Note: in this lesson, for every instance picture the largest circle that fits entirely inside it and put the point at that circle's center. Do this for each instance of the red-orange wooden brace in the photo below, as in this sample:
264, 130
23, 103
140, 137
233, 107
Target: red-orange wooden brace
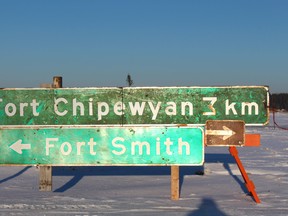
248, 183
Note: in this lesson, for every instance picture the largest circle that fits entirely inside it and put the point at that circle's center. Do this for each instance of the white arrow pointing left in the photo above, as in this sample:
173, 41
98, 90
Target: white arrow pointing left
18, 146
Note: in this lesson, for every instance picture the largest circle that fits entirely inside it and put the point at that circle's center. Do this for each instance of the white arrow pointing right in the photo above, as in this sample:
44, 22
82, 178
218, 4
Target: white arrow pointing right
226, 132
18, 146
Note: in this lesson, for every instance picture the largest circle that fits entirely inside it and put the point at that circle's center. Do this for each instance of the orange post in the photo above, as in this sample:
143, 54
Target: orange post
248, 183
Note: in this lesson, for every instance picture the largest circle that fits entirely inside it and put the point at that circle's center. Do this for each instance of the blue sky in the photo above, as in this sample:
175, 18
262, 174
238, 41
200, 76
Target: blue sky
158, 42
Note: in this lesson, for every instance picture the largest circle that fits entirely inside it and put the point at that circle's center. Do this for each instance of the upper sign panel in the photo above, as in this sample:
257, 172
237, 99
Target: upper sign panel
147, 105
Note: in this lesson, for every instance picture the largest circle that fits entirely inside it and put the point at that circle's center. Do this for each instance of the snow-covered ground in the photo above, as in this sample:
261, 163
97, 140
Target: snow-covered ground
146, 190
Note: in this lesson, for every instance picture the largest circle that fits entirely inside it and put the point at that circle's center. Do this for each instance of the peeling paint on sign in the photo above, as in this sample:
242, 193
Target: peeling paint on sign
102, 146
137, 106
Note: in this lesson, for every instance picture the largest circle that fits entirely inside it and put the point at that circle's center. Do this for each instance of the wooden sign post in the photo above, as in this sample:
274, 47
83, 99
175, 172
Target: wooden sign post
45, 174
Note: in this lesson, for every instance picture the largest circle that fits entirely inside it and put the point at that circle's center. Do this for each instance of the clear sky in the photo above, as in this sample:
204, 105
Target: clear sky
158, 42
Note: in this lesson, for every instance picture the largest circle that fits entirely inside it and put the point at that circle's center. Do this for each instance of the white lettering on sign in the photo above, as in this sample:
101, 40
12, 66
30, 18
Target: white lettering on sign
119, 108
171, 108
137, 109
229, 107
56, 105
154, 110
122, 148
145, 148
182, 144
49, 145
249, 107
150, 109
119, 147
103, 109
12, 109
210, 106
34, 106
168, 143
77, 106
22, 106
90, 106
140, 148
66, 148
189, 105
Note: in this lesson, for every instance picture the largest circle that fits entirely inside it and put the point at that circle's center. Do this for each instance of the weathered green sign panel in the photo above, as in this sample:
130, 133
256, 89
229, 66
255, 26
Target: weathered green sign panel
118, 106
102, 146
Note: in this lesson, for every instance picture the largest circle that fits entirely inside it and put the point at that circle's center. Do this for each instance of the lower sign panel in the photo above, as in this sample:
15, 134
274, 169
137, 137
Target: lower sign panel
102, 146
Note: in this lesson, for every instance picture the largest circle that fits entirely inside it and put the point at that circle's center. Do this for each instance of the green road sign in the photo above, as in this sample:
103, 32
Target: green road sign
138, 106
102, 146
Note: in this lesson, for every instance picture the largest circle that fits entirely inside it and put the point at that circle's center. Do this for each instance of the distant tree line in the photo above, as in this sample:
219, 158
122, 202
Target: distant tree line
279, 101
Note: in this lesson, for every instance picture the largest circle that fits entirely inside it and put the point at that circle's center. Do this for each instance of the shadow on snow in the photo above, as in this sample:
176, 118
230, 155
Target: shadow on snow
206, 208
79, 172
15, 175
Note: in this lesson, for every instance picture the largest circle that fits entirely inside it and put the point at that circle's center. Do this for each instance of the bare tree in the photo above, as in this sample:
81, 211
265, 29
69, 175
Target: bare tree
129, 80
